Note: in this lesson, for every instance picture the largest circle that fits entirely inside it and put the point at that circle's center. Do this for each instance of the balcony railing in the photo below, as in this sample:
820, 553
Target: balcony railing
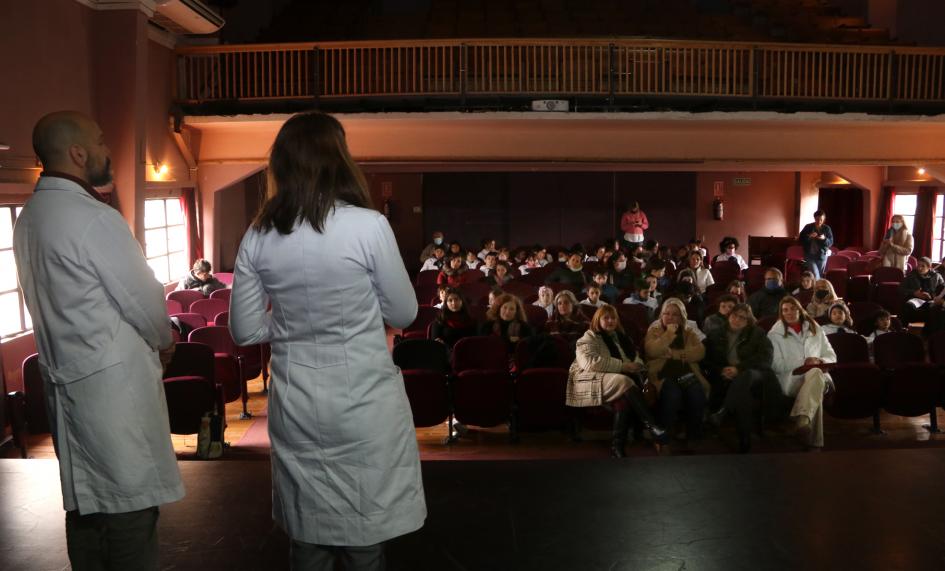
619, 68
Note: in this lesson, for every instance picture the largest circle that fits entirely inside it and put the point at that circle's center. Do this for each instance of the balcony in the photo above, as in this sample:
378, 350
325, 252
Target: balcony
594, 75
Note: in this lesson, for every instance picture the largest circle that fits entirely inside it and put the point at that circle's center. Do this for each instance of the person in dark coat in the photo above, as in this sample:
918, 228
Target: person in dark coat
922, 294
738, 358
201, 277
766, 302
454, 322
816, 238
571, 275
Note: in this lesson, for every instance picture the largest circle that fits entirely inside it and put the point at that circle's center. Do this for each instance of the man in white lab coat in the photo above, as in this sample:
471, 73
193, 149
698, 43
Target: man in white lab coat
102, 333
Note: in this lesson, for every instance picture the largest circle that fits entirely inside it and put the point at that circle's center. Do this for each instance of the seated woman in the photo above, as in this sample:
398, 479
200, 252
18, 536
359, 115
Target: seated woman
500, 276
506, 318
799, 343
824, 296
719, 319
201, 277
729, 245
673, 353
571, 275
453, 272
606, 370
840, 319
546, 299
739, 357
807, 283
453, 322
566, 319
703, 277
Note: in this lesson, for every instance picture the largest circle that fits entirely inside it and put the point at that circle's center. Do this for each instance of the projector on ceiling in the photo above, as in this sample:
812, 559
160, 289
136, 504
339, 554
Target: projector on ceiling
550, 105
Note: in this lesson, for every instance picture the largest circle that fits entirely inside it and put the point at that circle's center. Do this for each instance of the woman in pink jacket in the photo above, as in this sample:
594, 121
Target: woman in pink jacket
633, 223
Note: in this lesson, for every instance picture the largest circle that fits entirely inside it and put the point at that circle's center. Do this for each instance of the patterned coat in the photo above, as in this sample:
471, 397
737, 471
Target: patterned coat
593, 367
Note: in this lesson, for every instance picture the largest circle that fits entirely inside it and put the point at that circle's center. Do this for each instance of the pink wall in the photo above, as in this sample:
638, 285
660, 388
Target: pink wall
763, 208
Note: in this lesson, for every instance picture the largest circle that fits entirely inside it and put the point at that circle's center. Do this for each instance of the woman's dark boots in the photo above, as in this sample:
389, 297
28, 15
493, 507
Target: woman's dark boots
618, 447
643, 412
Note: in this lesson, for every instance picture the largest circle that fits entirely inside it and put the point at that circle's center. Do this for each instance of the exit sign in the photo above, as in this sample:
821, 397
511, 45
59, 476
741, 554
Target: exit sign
741, 181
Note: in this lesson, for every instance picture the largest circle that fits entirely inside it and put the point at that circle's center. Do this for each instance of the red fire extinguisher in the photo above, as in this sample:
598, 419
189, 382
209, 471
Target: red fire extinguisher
718, 209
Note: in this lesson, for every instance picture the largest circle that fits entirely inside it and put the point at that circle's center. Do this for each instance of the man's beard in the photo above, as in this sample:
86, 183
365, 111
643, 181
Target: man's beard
101, 177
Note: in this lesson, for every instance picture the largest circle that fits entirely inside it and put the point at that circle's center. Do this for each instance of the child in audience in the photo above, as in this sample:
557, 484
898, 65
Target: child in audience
472, 261
718, 321
840, 319
737, 288
488, 245
729, 245
703, 277
546, 299
494, 295
530, 263
882, 324
489, 263
824, 296
647, 296
608, 292
453, 272
453, 322
807, 283
436, 261
541, 256
504, 254
593, 296
500, 276
571, 275
506, 318
657, 269
201, 277
455, 249
566, 317
441, 290
620, 275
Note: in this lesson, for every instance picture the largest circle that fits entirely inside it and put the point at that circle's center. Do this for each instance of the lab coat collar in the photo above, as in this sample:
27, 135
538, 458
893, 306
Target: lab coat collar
45, 182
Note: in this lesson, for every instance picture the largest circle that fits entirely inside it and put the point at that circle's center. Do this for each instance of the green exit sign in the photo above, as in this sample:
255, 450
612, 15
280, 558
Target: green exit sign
742, 181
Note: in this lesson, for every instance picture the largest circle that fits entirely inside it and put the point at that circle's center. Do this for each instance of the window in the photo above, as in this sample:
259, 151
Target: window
13, 315
165, 238
938, 229
904, 205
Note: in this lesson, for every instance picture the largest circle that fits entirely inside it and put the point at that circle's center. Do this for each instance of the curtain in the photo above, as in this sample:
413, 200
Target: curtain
188, 205
885, 214
924, 220
844, 209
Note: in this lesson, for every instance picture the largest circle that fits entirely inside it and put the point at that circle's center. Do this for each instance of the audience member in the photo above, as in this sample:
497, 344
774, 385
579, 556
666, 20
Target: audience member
806, 285
472, 261
455, 249
729, 246
607, 370
571, 275
546, 299
881, 324
703, 277
427, 251
453, 273
566, 319
739, 358
453, 322
506, 318
647, 296
489, 263
620, 275
201, 278
839, 319
719, 319
896, 245
766, 301
737, 288
500, 276
441, 290
922, 293
824, 297
488, 245
816, 239
593, 296
673, 353
799, 347
436, 261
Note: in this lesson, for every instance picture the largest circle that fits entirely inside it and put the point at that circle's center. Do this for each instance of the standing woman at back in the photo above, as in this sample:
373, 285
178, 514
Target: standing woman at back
345, 467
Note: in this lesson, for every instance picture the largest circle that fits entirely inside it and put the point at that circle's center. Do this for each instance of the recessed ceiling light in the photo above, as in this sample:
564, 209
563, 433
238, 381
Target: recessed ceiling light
921, 170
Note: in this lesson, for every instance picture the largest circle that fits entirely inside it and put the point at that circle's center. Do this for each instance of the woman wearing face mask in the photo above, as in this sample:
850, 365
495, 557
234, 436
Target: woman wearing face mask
897, 245
606, 370
620, 275
824, 297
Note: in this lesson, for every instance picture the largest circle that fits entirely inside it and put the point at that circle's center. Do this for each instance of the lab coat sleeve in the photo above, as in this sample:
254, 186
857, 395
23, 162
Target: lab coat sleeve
116, 258
249, 319
394, 291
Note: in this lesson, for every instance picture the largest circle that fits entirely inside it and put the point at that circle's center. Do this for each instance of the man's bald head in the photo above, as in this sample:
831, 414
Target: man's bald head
71, 142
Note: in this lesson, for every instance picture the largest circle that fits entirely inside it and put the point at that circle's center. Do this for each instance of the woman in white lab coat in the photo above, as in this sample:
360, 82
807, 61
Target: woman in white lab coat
345, 466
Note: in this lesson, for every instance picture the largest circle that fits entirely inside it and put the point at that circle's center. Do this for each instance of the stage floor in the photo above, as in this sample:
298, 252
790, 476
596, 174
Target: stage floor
862, 510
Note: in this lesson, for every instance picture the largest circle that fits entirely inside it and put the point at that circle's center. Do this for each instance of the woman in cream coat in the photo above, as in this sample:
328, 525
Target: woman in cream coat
897, 245
605, 357
798, 342
345, 466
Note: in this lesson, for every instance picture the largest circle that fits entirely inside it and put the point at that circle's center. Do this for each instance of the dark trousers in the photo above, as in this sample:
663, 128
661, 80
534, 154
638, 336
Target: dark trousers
738, 399
311, 557
674, 397
113, 542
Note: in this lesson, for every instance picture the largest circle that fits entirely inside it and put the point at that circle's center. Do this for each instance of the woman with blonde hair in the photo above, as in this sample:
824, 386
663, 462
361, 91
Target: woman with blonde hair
799, 347
673, 352
824, 296
566, 318
337, 407
607, 369
897, 244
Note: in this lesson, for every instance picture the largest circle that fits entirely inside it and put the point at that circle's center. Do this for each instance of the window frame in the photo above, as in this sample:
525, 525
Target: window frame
10, 209
171, 272
939, 221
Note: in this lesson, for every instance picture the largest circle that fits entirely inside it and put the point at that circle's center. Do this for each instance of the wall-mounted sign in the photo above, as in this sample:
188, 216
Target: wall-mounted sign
742, 181
718, 188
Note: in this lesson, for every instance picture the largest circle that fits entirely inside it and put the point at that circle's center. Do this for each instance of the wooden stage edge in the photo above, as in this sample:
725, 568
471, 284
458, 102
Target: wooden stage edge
864, 510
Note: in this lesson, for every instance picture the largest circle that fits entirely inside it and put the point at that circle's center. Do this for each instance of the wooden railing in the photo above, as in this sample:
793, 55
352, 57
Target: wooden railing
461, 68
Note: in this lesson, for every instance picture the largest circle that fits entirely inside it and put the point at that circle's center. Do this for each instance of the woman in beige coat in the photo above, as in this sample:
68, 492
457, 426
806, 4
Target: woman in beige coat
605, 358
673, 353
897, 245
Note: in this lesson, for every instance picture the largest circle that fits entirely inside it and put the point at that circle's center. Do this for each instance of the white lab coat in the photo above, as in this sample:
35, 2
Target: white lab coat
345, 465
99, 318
791, 351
